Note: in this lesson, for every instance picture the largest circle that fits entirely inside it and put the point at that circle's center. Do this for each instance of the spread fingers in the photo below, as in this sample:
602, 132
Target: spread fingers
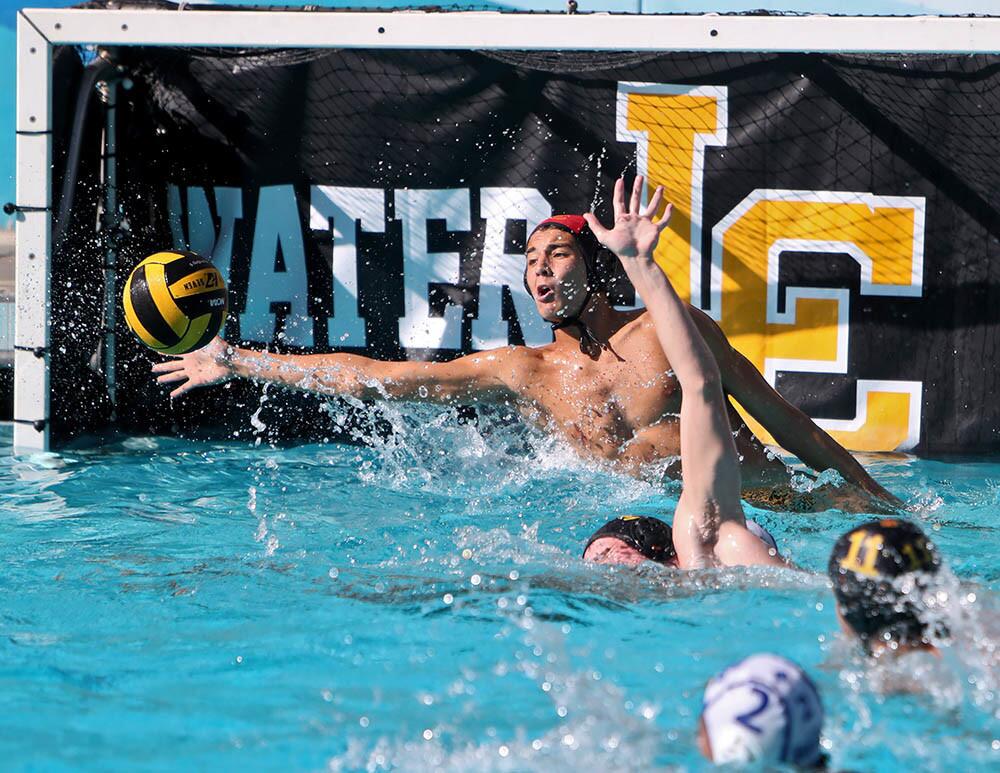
636, 194
618, 200
664, 221
654, 202
185, 387
167, 366
168, 378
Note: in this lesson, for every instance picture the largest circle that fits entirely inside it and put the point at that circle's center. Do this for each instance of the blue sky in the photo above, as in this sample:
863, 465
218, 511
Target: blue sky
9, 8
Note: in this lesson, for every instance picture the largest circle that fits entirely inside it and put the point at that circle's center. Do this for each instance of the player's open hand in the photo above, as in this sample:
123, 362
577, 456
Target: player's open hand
208, 365
636, 231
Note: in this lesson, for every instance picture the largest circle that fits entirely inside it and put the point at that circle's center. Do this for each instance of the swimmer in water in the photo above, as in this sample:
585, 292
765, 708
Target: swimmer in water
762, 710
630, 540
709, 527
879, 572
604, 383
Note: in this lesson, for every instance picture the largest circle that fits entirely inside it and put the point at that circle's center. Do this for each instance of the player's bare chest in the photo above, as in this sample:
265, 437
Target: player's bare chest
634, 385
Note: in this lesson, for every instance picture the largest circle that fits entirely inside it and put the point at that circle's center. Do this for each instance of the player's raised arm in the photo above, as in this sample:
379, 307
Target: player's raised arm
709, 526
477, 377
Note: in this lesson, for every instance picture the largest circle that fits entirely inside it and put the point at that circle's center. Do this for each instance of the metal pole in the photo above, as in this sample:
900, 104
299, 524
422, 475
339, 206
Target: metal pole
111, 222
33, 240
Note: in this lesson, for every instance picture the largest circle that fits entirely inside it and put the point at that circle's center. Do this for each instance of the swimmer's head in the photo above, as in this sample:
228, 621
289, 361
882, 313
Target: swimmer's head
564, 266
879, 571
763, 709
630, 540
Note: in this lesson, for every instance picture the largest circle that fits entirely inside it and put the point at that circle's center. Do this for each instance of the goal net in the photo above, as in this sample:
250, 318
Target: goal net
369, 190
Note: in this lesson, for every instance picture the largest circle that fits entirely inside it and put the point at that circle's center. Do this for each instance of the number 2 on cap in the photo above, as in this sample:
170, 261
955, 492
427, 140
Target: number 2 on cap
744, 719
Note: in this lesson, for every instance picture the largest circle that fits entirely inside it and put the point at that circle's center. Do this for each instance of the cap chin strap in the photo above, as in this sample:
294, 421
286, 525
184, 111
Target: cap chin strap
587, 339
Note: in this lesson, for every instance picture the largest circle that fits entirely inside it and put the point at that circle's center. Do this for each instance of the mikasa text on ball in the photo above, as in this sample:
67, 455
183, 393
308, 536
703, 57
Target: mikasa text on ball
175, 302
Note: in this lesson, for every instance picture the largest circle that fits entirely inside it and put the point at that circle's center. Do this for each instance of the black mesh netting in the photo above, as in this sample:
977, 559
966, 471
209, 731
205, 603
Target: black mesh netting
196, 120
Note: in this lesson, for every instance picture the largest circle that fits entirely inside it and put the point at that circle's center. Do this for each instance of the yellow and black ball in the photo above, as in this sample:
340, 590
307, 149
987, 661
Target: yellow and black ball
175, 302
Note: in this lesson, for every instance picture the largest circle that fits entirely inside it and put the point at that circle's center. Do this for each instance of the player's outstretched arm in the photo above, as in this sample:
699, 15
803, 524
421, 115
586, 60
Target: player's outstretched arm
478, 377
792, 429
709, 526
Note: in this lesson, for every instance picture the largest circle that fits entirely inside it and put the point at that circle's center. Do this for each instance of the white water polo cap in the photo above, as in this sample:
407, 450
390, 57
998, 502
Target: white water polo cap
762, 534
763, 709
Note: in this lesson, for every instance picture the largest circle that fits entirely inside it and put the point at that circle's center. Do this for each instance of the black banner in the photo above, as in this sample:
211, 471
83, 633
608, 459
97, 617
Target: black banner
836, 214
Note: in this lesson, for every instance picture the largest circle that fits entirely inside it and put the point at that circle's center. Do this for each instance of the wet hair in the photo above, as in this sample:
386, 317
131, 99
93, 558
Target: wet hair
653, 538
868, 567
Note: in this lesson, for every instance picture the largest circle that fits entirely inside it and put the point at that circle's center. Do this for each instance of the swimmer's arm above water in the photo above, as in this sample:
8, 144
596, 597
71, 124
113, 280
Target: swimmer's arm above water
481, 377
709, 526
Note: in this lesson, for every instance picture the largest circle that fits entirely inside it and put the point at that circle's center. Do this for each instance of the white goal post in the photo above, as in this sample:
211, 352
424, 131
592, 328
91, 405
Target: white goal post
39, 30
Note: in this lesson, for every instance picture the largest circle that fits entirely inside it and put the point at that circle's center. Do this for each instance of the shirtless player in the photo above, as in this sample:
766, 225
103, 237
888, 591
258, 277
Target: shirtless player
603, 383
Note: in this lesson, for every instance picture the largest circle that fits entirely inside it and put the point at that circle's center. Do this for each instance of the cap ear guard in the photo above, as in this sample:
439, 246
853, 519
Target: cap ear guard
601, 270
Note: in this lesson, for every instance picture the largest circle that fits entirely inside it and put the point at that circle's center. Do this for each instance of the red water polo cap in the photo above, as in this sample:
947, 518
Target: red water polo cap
574, 223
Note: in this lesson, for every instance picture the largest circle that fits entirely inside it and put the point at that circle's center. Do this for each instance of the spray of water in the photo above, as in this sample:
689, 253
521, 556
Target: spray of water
266, 472
594, 724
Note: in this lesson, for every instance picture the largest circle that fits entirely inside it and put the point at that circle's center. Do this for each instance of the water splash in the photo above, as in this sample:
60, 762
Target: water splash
263, 474
491, 460
957, 682
592, 722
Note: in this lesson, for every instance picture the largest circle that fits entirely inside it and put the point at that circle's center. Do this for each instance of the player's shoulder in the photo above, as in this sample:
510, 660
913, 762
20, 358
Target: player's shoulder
519, 357
527, 356
700, 316
641, 326
522, 364
639, 322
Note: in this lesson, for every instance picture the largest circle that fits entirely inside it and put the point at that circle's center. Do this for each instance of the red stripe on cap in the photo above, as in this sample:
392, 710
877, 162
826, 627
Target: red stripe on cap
574, 223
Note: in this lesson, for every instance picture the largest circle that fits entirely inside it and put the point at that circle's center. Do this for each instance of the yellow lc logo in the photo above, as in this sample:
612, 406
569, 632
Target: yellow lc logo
671, 126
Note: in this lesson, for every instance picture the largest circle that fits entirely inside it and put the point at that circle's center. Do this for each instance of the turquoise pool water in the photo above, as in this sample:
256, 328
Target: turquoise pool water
420, 605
